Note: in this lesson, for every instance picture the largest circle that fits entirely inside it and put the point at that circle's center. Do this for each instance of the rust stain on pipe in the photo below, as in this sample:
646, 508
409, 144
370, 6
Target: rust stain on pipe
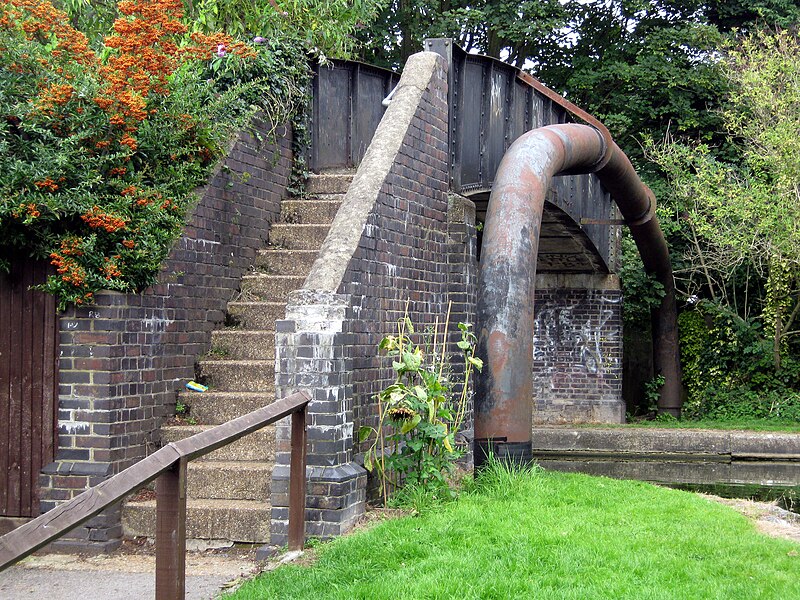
508, 269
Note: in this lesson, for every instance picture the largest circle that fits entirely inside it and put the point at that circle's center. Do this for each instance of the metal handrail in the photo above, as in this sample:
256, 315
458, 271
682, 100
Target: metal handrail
168, 466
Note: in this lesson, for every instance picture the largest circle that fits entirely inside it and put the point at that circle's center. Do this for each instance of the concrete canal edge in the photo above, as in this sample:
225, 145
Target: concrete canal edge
672, 456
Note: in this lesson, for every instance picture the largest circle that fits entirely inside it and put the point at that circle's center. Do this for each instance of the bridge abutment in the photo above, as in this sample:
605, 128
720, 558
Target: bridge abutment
577, 349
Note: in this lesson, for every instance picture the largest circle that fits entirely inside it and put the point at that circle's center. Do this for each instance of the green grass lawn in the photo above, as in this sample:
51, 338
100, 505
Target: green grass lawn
550, 535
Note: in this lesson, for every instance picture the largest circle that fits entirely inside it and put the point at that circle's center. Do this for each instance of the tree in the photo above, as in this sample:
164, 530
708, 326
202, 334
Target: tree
747, 213
514, 31
326, 27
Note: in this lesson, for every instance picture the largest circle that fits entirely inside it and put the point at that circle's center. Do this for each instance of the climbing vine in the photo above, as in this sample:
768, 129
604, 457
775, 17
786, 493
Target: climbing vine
728, 368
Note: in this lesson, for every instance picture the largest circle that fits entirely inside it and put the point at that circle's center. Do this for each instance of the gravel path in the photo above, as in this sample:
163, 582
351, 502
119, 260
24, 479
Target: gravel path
769, 518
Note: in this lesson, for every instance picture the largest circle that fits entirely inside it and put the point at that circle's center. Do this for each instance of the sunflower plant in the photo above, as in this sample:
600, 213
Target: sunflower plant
421, 412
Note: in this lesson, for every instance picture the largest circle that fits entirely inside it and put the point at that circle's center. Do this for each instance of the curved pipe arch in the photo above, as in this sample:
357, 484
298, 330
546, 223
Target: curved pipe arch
506, 286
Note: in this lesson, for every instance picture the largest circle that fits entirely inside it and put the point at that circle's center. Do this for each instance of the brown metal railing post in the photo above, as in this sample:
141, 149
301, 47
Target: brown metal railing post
297, 482
171, 533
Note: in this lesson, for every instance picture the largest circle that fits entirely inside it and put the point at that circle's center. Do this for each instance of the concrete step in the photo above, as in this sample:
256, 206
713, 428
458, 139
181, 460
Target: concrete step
238, 375
237, 520
329, 183
270, 288
238, 344
258, 446
319, 212
260, 316
298, 237
224, 480
215, 408
278, 261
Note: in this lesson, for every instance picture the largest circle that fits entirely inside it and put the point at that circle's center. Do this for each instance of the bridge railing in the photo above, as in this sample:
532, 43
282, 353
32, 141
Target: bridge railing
347, 106
168, 467
492, 103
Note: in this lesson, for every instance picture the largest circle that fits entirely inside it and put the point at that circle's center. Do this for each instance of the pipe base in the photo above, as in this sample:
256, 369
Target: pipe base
513, 452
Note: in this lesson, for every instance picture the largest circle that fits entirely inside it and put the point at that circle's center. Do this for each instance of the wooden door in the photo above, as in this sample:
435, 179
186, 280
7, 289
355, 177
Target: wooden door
28, 386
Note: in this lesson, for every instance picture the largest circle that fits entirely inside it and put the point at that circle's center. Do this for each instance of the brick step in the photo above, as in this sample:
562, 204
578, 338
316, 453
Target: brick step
279, 261
270, 288
215, 408
238, 375
237, 520
329, 183
298, 237
226, 480
239, 344
258, 316
258, 446
314, 211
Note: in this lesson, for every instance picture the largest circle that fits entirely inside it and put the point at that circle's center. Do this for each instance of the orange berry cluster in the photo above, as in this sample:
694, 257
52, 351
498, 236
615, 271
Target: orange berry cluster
111, 269
47, 185
96, 218
45, 20
71, 246
144, 40
55, 95
69, 269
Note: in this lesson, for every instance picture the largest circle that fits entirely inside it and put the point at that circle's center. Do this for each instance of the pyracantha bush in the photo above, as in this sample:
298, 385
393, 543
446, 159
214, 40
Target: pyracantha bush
100, 152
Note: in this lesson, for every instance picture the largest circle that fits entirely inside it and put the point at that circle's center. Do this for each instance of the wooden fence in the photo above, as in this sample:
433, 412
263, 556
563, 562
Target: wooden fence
28, 385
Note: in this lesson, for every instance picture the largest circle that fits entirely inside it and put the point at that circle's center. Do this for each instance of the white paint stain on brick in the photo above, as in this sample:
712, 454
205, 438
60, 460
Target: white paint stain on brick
156, 324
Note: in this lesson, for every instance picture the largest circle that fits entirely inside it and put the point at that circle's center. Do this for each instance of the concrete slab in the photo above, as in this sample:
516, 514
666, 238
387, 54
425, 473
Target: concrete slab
121, 576
672, 456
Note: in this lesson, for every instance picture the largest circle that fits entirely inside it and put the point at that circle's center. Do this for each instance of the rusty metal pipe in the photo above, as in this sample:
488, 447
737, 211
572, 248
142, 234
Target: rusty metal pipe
637, 204
508, 270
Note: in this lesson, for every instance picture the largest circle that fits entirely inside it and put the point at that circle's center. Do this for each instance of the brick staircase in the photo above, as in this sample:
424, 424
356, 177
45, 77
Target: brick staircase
228, 491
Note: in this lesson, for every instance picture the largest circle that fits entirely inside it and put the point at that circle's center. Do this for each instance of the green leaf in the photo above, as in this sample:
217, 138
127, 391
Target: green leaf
408, 324
476, 362
446, 444
464, 345
410, 424
416, 445
368, 461
420, 393
412, 361
364, 432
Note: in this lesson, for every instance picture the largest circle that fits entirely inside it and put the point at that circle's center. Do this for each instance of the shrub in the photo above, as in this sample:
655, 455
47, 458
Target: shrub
100, 152
728, 369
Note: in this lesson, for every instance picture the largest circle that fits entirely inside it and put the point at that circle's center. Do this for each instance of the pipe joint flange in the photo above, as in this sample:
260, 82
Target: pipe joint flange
647, 215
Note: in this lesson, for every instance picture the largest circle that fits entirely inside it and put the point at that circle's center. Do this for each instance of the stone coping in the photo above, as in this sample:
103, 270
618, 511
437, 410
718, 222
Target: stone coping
705, 444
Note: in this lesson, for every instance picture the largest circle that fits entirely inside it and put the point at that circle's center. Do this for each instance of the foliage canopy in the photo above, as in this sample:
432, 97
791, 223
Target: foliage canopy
100, 151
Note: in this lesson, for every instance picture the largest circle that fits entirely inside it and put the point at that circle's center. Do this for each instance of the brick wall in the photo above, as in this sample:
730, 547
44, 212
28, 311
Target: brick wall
402, 254
124, 359
413, 244
577, 350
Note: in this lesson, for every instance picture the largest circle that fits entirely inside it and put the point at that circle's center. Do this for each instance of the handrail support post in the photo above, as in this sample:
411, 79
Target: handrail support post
297, 481
171, 532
